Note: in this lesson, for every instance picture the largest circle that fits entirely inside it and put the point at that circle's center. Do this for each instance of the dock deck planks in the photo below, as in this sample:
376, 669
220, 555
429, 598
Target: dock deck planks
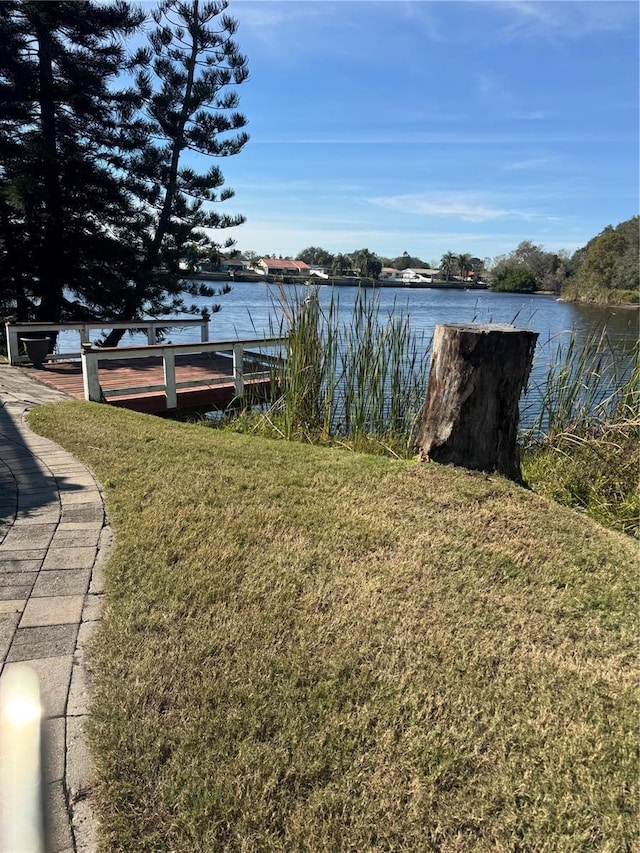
66, 376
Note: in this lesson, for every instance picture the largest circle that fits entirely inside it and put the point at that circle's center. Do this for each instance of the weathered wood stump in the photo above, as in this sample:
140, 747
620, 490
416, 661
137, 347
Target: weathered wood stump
470, 418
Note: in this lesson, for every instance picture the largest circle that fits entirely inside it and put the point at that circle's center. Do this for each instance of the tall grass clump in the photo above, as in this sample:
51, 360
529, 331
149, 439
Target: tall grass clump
587, 384
359, 381
583, 449
300, 377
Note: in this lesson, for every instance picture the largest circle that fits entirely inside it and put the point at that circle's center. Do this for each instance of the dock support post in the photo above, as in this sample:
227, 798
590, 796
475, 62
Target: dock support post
90, 380
204, 328
13, 345
169, 366
238, 375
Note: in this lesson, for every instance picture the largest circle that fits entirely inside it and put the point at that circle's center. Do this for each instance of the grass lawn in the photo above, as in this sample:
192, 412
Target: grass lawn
309, 650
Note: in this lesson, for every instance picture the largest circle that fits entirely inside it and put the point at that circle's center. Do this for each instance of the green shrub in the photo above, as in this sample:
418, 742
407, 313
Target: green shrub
597, 474
514, 279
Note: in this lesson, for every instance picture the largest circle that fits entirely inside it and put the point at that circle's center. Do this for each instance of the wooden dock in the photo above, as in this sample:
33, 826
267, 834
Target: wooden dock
134, 373
155, 378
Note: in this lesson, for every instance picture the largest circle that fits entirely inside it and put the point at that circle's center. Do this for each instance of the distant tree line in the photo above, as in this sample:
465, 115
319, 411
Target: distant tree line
368, 264
605, 270
529, 267
361, 262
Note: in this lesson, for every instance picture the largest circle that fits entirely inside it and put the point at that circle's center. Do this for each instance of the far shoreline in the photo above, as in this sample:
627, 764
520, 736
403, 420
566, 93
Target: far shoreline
596, 304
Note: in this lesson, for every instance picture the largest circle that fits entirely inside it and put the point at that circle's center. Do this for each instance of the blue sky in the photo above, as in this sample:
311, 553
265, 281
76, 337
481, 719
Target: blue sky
435, 126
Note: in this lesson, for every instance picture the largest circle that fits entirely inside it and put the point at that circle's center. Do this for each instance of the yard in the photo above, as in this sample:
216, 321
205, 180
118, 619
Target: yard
306, 649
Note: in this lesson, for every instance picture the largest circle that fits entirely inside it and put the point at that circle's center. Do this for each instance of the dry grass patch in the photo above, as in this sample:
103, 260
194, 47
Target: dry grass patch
310, 650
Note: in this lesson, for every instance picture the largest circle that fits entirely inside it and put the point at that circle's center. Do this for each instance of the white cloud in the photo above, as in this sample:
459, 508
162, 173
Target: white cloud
457, 205
533, 163
282, 237
562, 21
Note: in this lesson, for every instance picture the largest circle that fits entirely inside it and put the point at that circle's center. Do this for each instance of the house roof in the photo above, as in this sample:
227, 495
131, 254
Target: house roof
284, 264
389, 269
415, 271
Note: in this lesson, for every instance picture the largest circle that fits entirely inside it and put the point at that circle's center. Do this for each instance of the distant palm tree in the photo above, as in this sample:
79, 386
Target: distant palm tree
447, 264
464, 265
340, 265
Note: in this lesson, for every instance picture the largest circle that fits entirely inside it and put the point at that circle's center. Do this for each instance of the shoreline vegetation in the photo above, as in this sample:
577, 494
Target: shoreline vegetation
584, 449
630, 304
332, 281
613, 299
359, 383
622, 299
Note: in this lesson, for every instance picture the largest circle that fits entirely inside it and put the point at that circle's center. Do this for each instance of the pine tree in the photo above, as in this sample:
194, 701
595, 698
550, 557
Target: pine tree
102, 210
64, 205
189, 110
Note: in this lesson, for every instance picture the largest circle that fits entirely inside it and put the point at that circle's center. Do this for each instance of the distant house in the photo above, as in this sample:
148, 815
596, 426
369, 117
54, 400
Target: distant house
320, 271
390, 274
225, 265
424, 275
282, 266
234, 265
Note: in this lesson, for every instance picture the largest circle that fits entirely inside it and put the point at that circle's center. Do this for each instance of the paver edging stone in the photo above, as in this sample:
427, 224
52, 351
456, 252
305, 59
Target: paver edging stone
57, 651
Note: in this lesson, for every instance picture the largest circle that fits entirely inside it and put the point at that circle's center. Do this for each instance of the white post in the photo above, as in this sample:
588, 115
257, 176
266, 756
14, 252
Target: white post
169, 365
90, 380
238, 375
13, 345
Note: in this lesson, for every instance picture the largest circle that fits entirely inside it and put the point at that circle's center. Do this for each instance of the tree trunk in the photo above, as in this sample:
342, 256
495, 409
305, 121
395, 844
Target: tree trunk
470, 418
52, 260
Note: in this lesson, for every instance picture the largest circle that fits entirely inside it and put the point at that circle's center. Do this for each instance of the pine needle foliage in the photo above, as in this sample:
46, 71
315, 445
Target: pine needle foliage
65, 212
101, 216
187, 87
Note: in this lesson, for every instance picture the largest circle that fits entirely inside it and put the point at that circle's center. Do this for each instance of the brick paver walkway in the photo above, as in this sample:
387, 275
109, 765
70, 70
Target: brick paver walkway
53, 540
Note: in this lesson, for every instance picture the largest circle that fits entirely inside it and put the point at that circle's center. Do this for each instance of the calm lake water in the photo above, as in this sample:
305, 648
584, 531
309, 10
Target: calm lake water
254, 310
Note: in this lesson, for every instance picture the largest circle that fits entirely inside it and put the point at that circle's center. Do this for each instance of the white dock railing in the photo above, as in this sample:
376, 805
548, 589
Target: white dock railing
15, 331
237, 350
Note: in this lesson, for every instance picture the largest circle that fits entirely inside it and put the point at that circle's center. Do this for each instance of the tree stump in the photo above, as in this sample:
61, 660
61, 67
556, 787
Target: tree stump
470, 418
